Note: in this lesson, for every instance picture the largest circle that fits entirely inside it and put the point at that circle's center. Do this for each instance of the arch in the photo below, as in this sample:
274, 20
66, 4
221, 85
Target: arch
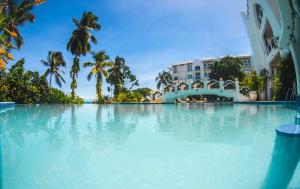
198, 84
229, 84
213, 84
183, 87
169, 88
156, 94
214, 88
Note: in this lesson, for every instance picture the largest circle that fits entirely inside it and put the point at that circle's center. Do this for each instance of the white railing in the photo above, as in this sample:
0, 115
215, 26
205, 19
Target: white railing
198, 84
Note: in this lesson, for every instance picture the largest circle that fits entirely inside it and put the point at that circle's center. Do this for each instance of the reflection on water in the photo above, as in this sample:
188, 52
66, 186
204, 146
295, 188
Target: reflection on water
285, 158
227, 146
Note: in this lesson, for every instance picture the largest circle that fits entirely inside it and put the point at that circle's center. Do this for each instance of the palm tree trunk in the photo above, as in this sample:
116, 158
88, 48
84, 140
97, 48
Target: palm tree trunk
73, 94
73, 76
50, 80
99, 90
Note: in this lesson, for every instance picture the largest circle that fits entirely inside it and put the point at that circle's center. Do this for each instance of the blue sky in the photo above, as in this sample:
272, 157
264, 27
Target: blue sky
150, 35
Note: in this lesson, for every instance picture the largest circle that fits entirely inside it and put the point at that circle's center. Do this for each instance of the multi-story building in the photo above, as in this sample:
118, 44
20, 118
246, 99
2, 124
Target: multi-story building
274, 29
190, 71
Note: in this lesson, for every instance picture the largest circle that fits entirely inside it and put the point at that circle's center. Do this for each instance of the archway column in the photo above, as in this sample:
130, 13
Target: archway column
295, 50
237, 86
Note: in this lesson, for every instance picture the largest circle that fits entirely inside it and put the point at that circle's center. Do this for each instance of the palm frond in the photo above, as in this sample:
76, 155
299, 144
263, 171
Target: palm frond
89, 77
88, 64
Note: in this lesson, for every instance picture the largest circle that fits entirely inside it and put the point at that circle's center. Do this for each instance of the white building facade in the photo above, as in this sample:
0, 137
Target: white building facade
274, 29
190, 71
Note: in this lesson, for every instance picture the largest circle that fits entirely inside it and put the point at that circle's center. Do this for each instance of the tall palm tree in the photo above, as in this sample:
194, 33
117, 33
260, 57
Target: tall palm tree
54, 63
79, 43
101, 62
164, 78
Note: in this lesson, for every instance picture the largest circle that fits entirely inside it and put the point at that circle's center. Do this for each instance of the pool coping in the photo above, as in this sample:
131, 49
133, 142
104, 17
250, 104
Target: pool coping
267, 102
7, 104
11, 104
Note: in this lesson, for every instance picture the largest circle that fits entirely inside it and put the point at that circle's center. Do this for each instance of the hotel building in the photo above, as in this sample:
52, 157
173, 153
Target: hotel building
190, 71
274, 29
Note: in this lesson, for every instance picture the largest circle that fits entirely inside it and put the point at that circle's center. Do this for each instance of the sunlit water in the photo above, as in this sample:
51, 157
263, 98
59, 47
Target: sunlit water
147, 147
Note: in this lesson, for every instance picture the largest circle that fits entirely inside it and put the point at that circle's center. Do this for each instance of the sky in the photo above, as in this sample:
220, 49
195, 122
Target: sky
150, 34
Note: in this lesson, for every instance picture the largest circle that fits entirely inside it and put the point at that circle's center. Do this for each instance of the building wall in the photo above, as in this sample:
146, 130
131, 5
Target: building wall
270, 31
191, 71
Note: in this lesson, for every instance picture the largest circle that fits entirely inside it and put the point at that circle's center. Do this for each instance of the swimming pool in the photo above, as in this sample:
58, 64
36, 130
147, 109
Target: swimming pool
147, 146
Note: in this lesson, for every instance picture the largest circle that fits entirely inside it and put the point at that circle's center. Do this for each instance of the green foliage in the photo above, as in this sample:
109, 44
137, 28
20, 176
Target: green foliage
54, 62
164, 78
265, 77
17, 13
27, 87
228, 68
143, 91
253, 81
121, 77
101, 62
129, 96
285, 78
79, 43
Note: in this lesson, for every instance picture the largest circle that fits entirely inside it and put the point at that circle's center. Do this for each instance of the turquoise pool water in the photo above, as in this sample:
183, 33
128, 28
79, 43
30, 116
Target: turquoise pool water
147, 147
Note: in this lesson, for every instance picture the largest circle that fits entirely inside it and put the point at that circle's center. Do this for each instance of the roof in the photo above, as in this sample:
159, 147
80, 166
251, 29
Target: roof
211, 59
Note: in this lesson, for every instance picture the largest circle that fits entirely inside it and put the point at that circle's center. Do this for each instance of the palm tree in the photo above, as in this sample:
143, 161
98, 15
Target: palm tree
53, 63
99, 70
17, 13
13, 13
120, 76
164, 78
79, 43
116, 75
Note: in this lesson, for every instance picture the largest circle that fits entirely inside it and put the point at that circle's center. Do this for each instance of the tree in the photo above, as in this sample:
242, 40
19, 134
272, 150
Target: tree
115, 77
228, 68
253, 81
13, 13
285, 77
101, 62
54, 63
143, 91
164, 78
28, 87
79, 43
129, 79
129, 96
121, 77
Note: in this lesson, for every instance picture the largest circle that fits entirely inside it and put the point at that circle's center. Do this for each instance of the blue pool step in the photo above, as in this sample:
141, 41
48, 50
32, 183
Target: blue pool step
292, 130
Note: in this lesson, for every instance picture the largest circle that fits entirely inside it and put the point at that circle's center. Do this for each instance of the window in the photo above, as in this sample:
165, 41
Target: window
175, 78
175, 69
259, 14
197, 68
190, 67
198, 76
205, 74
206, 66
247, 62
190, 76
